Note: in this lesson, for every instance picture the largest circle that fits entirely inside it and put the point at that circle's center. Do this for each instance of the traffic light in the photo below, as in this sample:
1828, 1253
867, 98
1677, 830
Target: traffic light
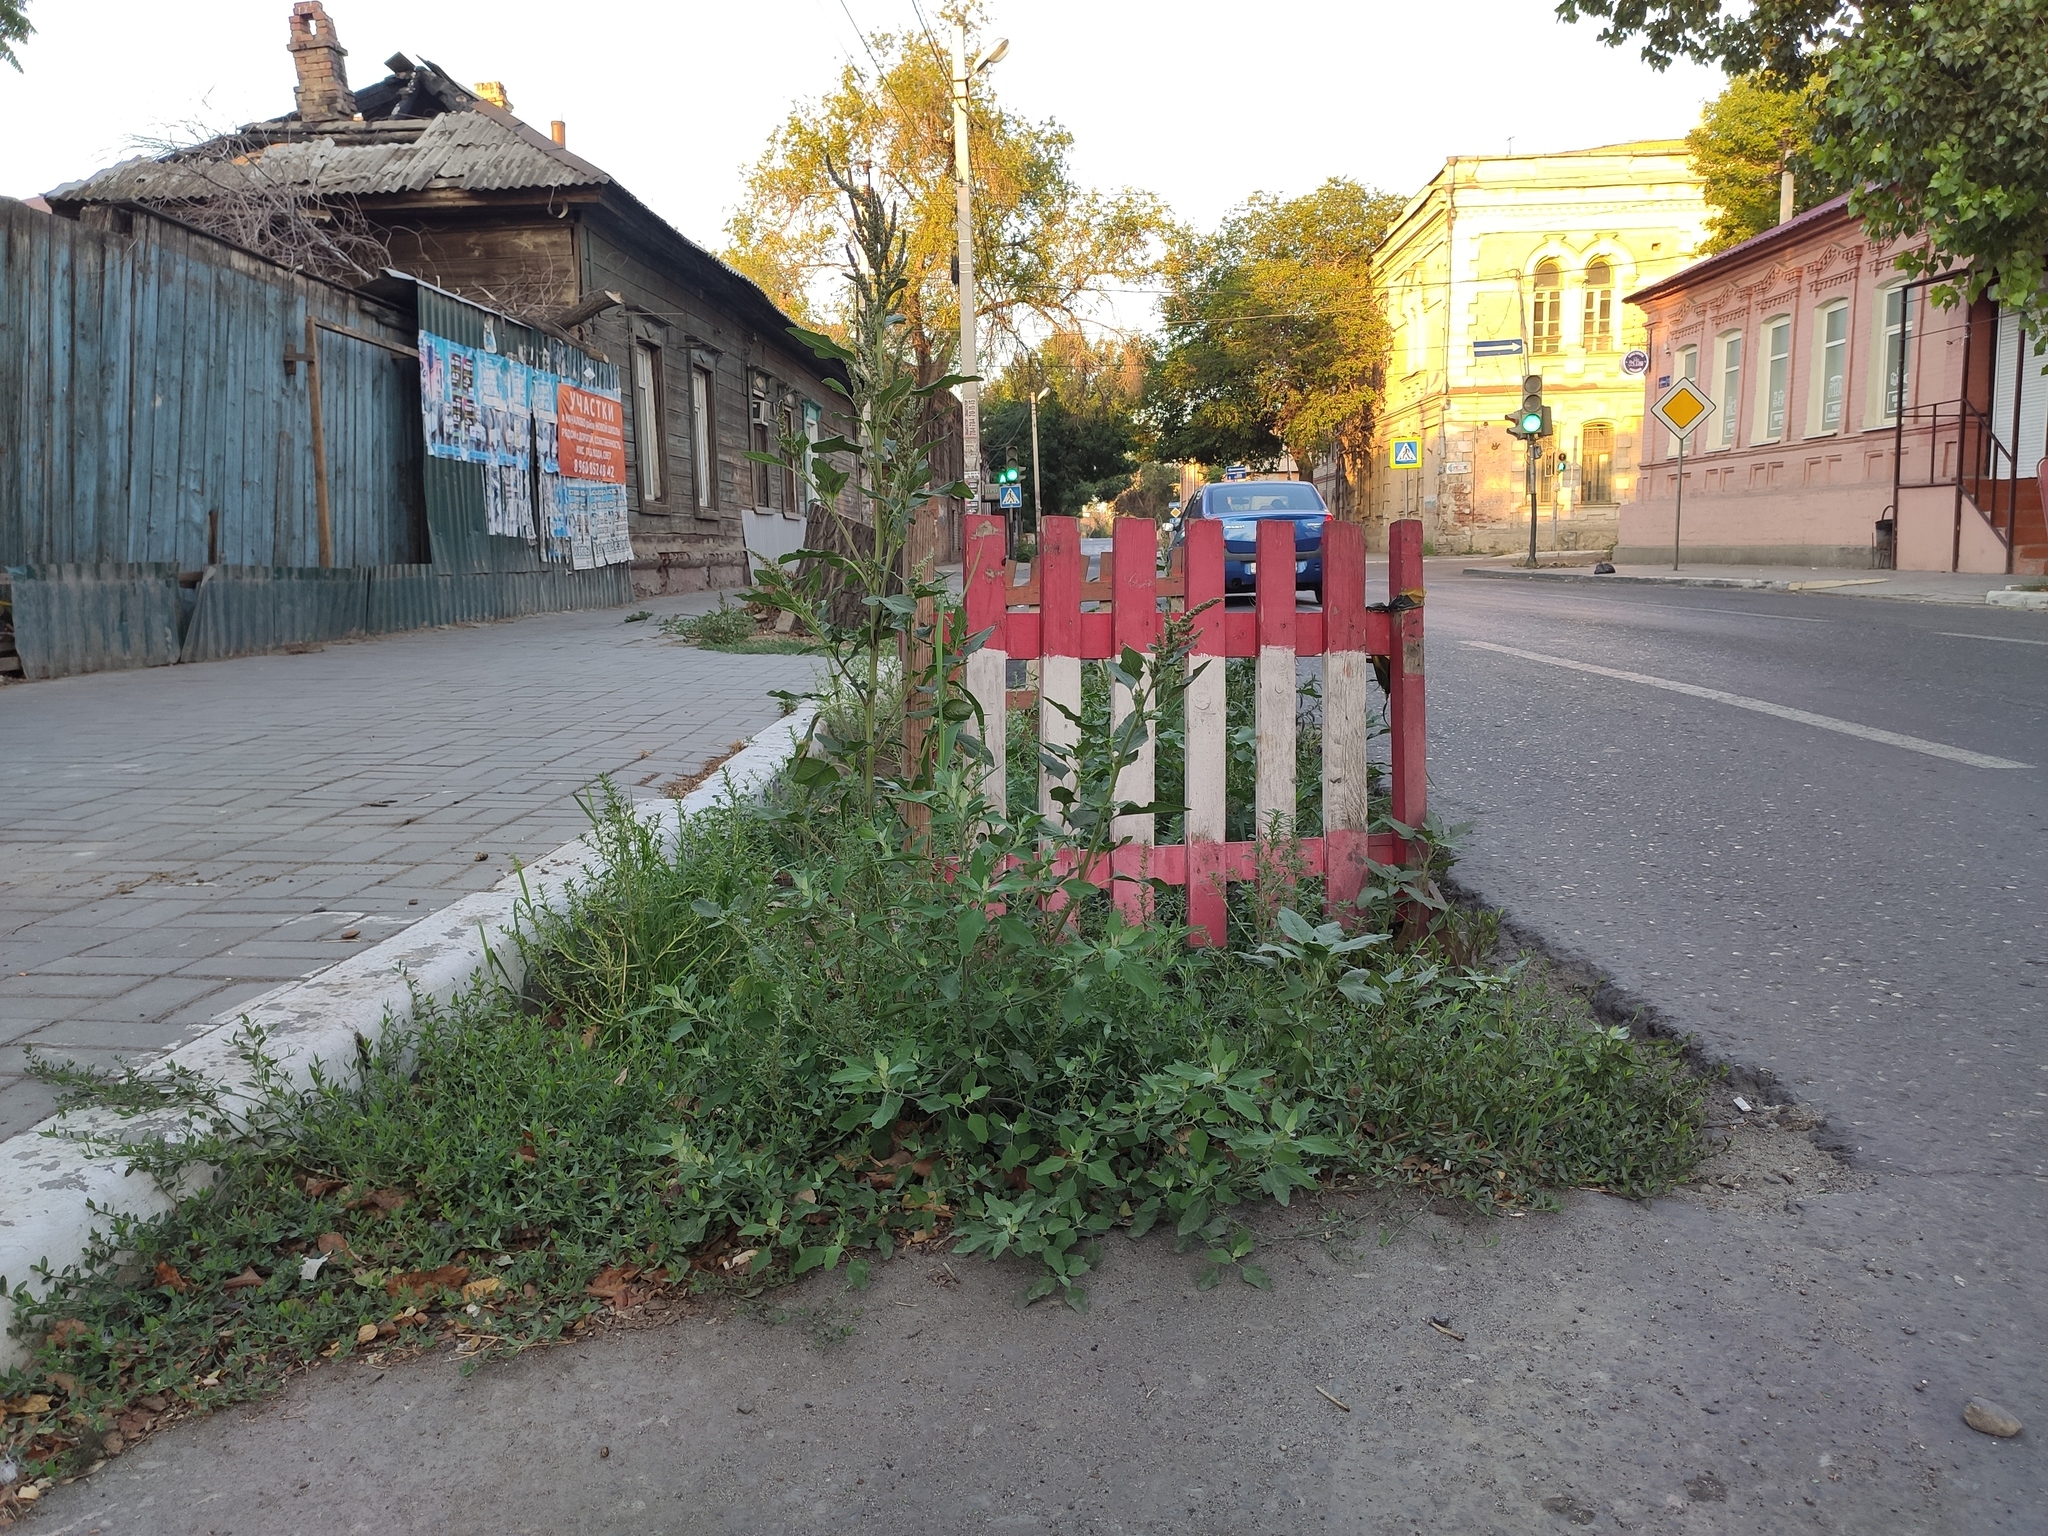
1010, 473
1532, 421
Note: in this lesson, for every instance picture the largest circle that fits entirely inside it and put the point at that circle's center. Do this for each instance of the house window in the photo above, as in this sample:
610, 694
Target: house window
1894, 338
1777, 377
1596, 464
1546, 325
760, 431
1831, 332
1599, 320
1688, 362
1729, 369
647, 419
813, 420
700, 439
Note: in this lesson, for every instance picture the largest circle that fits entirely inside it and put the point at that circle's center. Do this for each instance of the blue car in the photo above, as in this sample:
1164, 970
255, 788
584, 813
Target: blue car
1241, 505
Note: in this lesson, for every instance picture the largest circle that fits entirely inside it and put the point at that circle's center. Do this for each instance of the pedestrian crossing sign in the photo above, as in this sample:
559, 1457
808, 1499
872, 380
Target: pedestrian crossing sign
1407, 453
1683, 407
1010, 497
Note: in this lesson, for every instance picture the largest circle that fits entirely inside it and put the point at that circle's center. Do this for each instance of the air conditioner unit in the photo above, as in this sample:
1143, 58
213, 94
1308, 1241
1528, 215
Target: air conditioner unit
764, 413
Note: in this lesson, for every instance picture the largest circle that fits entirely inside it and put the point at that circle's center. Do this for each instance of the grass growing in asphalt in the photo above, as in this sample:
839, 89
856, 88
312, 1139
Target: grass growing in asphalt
733, 631
788, 1045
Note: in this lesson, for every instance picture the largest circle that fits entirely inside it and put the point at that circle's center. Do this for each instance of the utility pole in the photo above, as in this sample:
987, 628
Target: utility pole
1036, 512
970, 362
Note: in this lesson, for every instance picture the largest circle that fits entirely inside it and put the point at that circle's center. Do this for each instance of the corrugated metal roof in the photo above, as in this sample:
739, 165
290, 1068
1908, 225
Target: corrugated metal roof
481, 151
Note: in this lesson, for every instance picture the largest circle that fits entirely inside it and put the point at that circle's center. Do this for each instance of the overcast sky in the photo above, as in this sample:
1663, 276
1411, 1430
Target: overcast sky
1198, 101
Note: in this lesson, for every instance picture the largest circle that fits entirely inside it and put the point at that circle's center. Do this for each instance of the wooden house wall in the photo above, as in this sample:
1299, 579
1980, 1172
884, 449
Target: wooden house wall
145, 404
518, 262
667, 304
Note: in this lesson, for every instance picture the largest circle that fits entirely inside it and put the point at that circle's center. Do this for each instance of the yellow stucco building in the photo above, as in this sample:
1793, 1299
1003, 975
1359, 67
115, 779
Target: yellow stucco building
1512, 264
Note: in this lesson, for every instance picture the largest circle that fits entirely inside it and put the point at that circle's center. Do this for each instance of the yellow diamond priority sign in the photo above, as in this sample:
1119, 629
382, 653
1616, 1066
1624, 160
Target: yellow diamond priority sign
1683, 407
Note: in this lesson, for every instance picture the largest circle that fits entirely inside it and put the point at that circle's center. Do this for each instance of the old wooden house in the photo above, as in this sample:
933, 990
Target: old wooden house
449, 185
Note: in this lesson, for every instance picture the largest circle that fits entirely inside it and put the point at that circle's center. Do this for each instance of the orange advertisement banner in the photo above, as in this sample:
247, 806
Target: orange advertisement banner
592, 432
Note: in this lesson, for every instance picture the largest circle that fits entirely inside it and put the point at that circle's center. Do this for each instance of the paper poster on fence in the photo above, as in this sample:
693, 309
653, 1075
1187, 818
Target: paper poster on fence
541, 391
591, 433
449, 412
507, 415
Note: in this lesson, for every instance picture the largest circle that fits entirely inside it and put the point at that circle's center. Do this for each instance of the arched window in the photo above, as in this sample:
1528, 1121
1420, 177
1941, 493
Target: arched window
1546, 322
1598, 331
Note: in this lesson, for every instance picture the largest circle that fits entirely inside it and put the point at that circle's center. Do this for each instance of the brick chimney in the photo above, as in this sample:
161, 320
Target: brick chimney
323, 92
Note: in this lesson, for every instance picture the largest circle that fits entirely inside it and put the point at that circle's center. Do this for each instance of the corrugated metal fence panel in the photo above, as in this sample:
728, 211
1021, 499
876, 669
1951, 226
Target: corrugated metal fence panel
246, 610
455, 489
144, 402
71, 618
403, 597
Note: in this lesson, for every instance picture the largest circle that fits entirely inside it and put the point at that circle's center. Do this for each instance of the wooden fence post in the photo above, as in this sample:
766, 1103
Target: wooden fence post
1059, 646
1347, 713
1135, 623
1404, 674
986, 575
1274, 800
1207, 750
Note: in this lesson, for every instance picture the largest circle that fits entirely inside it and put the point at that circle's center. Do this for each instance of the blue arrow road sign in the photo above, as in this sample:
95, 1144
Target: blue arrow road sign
1010, 498
1511, 347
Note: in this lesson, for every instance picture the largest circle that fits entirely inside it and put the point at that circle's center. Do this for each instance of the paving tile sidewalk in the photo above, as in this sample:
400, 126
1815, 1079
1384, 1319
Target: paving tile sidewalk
177, 840
1833, 581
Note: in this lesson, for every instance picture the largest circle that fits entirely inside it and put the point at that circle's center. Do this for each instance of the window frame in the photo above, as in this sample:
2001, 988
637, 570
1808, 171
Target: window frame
1546, 309
1596, 324
1824, 320
703, 438
1729, 400
760, 484
650, 424
1775, 373
1888, 384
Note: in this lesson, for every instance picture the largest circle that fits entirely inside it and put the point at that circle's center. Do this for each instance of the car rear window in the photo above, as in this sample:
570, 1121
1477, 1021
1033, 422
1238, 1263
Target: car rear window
1276, 496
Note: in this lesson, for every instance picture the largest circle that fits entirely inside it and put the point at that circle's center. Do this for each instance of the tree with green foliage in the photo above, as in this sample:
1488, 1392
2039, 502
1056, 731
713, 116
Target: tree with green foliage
1934, 113
14, 28
1044, 244
1275, 341
1087, 429
1746, 137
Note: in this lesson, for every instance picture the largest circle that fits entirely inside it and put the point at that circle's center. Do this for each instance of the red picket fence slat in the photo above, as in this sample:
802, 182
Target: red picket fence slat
1043, 618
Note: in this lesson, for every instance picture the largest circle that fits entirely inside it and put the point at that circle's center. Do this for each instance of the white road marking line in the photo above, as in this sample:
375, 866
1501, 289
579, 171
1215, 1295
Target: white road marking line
1763, 707
1954, 634
1787, 618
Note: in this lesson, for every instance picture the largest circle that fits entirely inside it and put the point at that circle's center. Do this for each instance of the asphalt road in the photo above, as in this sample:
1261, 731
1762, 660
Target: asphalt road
1789, 1350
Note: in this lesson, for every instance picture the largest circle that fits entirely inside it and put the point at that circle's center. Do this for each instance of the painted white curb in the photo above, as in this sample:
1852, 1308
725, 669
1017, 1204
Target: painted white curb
2013, 597
47, 1183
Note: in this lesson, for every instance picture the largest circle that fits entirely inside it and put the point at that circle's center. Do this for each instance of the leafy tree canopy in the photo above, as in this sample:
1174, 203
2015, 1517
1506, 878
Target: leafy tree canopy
1274, 339
1087, 432
14, 28
1044, 246
1934, 113
1745, 137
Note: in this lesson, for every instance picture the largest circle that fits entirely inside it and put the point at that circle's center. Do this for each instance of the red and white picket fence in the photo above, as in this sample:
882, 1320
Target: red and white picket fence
1042, 617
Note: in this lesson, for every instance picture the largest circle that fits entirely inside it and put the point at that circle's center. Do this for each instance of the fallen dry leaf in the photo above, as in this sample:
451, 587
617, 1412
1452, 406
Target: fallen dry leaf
367, 1333
615, 1286
332, 1242
243, 1281
449, 1277
385, 1200
65, 1329
620, 1080
315, 1187
741, 1259
33, 1404
589, 1037
167, 1274
477, 1290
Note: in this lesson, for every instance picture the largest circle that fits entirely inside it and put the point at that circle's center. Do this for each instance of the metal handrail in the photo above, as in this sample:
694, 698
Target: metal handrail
1979, 455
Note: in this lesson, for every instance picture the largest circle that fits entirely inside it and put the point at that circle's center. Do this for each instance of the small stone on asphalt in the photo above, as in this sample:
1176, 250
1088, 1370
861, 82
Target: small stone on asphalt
1987, 1418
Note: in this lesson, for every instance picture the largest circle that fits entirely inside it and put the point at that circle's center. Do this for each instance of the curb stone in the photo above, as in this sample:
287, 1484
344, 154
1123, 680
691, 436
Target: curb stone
1574, 574
2015, 597
49, 1186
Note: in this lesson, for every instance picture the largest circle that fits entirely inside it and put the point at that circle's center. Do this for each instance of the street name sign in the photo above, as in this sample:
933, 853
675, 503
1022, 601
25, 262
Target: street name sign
1510, 347
1010, 497
1407, 453
1682, 407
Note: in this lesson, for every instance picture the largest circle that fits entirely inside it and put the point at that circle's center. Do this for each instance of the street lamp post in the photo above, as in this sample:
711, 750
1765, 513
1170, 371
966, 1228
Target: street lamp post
1037, 514
963, 213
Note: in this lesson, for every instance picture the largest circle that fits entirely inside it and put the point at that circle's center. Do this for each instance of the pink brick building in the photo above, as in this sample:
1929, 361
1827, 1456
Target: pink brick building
1855, 422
